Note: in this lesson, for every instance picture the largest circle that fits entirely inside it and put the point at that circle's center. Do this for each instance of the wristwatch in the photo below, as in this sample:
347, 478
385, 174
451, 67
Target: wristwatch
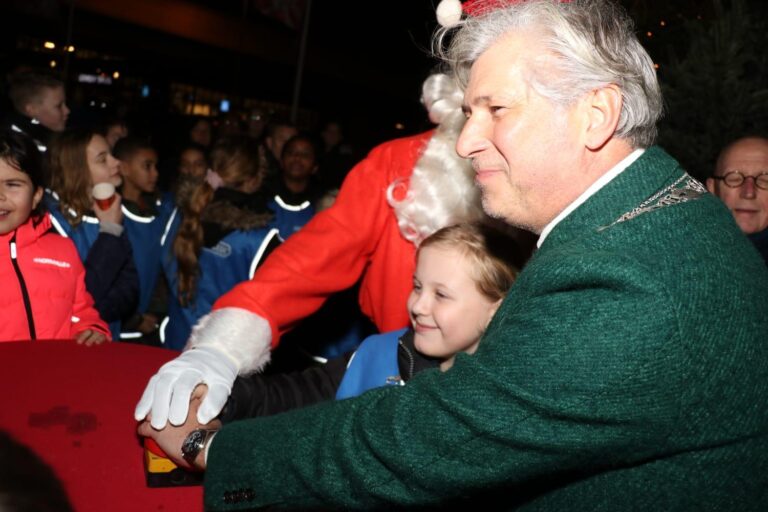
194, 443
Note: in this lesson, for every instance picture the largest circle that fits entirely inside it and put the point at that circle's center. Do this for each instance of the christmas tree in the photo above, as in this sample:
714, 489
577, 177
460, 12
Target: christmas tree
718, 89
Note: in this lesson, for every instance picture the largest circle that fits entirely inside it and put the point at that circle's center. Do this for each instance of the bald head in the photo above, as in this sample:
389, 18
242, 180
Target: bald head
748, 149
747, 202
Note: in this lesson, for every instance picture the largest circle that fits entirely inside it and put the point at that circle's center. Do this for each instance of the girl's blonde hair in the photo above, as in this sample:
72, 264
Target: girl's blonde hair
70, 176
492, 255
235, 161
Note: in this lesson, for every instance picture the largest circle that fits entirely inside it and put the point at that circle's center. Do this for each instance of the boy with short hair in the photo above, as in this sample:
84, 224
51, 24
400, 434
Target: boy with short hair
146, 212
40, 106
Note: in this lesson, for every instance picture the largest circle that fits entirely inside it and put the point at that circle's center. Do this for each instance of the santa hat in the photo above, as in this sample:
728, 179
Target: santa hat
449, 11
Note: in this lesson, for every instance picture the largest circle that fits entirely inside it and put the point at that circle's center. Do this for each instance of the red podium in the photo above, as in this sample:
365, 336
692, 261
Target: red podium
73, 405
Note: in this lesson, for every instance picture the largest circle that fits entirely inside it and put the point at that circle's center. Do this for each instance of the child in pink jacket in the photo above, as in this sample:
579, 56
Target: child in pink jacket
43, 294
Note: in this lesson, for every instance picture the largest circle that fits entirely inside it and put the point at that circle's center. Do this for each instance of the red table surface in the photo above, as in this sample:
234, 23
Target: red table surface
73, 405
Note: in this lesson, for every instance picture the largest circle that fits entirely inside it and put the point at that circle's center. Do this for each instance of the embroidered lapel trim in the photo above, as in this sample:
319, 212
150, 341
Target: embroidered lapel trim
684, 189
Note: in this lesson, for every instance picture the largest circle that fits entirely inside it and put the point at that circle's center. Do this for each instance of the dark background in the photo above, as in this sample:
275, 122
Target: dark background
362, 68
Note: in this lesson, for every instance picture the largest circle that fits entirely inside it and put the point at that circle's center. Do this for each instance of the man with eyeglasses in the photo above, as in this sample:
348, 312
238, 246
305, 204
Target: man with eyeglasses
741, 182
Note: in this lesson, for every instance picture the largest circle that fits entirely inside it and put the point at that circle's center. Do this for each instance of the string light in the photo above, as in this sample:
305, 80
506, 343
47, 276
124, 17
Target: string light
50, 45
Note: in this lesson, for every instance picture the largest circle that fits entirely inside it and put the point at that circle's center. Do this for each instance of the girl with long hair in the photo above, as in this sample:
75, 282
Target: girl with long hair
79, 159
217, 238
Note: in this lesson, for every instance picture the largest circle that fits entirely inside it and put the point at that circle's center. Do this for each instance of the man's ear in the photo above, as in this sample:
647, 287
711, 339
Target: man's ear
710, 184
603, 110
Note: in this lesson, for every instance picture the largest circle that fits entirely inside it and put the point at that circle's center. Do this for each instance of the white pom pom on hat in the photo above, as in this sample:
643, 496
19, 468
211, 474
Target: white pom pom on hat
448, 12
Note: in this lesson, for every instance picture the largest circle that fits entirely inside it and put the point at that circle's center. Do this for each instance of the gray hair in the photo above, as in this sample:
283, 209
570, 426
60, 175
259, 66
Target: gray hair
593, 45
441, 190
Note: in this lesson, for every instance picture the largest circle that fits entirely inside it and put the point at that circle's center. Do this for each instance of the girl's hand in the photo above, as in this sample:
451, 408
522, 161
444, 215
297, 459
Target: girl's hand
149, 323
113, 214
90, 337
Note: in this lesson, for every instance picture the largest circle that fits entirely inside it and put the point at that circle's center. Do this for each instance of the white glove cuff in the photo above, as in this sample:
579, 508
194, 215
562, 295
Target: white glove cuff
244, 337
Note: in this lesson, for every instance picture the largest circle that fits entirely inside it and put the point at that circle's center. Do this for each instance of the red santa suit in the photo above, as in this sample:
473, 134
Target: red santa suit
357, 236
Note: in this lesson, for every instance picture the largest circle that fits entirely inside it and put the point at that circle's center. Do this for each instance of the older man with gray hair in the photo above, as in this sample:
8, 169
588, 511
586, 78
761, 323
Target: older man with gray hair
627, 369
741, 182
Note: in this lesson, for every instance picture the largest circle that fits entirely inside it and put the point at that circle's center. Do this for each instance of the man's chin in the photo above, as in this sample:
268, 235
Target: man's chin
751, 229
491, 208
749, 221
508, 217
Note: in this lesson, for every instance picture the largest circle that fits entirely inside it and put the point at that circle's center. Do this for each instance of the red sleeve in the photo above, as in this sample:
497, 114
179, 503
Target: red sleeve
82, 308
332, 251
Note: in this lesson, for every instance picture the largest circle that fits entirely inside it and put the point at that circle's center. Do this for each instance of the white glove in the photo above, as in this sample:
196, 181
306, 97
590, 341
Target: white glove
168, 393
223, 343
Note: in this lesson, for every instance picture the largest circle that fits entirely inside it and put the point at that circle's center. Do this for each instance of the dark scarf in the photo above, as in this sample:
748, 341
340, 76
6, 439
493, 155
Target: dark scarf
760, 240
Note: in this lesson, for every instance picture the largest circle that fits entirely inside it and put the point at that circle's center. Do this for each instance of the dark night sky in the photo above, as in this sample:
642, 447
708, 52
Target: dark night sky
387, 53
359, 64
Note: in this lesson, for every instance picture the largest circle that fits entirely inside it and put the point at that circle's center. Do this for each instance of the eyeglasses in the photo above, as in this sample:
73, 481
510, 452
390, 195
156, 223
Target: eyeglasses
735, 179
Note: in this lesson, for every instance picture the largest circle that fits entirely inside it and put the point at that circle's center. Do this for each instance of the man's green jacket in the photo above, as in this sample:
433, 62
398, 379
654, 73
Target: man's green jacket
627, 369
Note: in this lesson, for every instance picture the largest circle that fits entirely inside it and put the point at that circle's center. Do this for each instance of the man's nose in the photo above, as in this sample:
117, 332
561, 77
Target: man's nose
472, 138
748, 188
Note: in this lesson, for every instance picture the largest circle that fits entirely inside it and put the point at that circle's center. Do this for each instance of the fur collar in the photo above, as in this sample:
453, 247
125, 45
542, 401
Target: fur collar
230, 216
231, 210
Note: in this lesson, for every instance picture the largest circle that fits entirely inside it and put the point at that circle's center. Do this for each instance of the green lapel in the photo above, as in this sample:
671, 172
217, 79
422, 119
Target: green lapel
653, 180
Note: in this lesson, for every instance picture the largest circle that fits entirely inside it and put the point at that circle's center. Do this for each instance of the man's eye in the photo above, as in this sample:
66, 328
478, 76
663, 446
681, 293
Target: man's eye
496, 109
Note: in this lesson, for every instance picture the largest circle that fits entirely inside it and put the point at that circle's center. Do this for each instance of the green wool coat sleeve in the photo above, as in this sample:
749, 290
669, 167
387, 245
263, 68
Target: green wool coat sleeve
515, 409
627, 369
